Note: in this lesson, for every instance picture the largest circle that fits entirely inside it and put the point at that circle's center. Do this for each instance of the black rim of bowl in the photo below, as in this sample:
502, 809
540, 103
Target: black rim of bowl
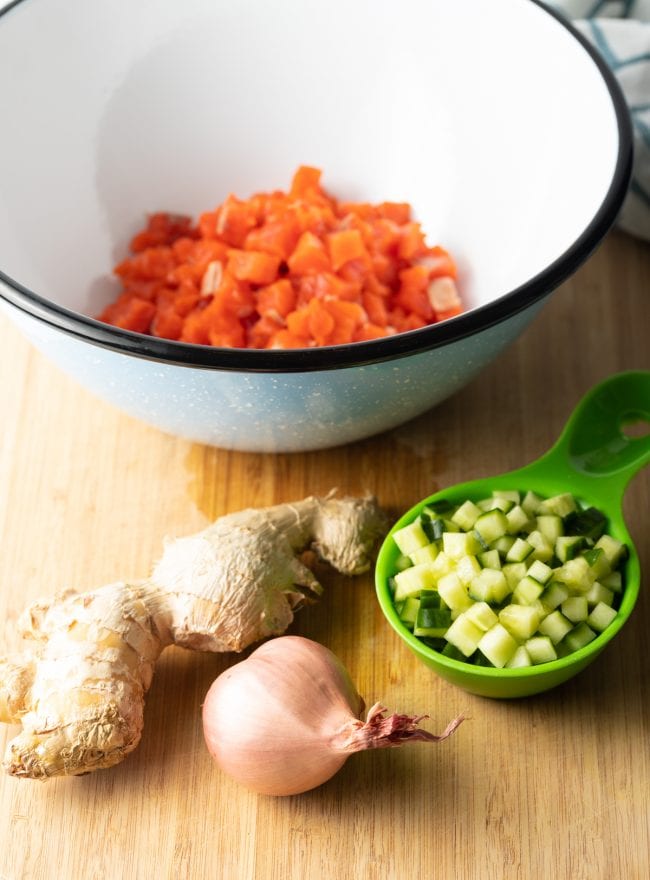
359, 353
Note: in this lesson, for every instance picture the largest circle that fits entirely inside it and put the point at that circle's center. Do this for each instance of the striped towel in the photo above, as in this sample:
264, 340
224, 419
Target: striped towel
620, 30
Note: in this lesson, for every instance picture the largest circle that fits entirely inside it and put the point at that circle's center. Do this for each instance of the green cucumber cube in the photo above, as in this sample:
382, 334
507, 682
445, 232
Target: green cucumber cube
497, 645
517, 519
452, 652
466, 515
519, 659
601, 616
490, 585
540, 571
410, 538
561, 505
514, 572
576, 574
432, 622
508, 494
490, 559
579, 636
467, 568
521, 621
482, 615
555, 626
430, 599
424, 554
613, 581
491, 525
527, 591
598, 594
464, 635
542, 547
575, 608
459, 544
598, 562
568, 547
412, 581
614, 550
408, 611
554, 594
519, 551
441, 566
540, 650
453, 592
550, 525
503, 545
531, 502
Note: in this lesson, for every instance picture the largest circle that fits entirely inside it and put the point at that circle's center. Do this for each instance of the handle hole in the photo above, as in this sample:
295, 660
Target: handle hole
635, 428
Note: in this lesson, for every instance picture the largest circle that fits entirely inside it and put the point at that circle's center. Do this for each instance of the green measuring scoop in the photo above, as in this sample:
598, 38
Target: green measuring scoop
594, 458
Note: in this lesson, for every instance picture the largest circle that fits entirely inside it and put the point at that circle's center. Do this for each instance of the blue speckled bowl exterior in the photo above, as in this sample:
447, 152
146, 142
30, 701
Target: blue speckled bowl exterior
273, 412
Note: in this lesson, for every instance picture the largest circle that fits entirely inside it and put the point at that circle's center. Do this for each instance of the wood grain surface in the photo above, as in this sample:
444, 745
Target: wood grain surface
554, 786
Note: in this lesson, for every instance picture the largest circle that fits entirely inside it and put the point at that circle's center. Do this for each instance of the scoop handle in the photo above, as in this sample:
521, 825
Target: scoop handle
594, 447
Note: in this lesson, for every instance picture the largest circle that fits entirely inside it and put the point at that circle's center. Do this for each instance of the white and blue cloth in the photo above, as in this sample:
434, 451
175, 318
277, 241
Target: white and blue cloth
620, 30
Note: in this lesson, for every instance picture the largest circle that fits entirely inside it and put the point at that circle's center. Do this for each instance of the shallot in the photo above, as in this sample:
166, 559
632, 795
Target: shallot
287, 718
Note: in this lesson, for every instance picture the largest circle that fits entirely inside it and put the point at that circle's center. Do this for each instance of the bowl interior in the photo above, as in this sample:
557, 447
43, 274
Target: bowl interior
117, 109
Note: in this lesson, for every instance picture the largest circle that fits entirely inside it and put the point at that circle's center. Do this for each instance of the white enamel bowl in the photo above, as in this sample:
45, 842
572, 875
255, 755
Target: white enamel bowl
496, 121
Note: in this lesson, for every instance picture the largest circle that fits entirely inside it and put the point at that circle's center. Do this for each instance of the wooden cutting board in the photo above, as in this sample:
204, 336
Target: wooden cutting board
552, 786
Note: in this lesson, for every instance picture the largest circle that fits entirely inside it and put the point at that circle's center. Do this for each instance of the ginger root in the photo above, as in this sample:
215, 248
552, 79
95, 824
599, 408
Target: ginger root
79, 693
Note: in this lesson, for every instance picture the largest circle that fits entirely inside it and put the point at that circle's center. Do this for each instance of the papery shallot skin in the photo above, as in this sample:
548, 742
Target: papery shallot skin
286, 719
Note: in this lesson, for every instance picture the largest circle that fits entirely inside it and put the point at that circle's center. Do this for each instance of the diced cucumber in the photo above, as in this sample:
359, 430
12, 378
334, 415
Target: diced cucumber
467, 568
433, 527
503, 545
540, 571
408, 611
519, 659
613, 581
441, 566
424, 554
589, 522
540, 649
576, 574
550, 525
412, 581
482, 615
598, 594
514, 572
527, 591
464, 635
575, 608
452, 652
466, 515
459, 544
601, 616
490, 559
554, 595
430, 599
432, 622
568, 547
521, 621
560, 505
598, 562
517, 519
614, 550
542, 548
508, 494
555, 626
497, 645
410, 538
531, 502
519, 551
579, 636
491, 525
453, 592
489, 586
